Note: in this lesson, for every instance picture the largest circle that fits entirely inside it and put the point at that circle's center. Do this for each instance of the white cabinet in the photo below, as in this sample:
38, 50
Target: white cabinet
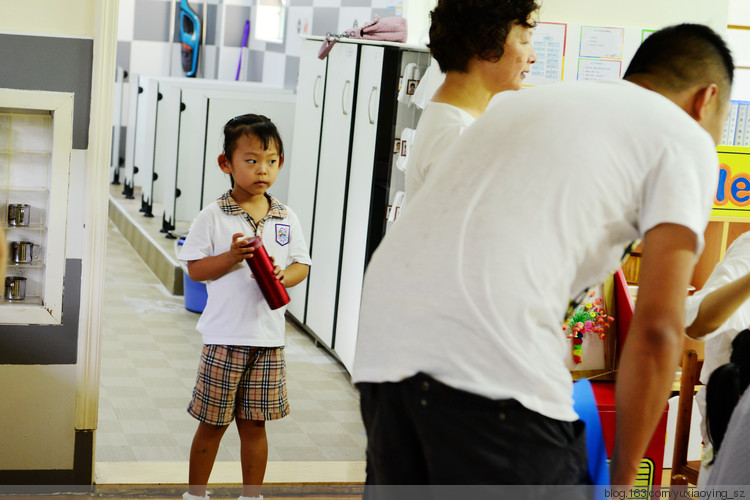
330, 191
35, 149
342, 179
302, 157
358, 203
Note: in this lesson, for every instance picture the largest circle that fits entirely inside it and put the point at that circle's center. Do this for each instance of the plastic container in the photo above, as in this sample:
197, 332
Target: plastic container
262, 268
195, 291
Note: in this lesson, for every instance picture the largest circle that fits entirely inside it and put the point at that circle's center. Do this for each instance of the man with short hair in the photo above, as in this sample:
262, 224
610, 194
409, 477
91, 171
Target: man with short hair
460, 354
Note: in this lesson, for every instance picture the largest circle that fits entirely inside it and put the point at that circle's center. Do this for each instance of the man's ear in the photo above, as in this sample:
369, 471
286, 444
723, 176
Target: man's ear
224, 164
703, 98
281, 161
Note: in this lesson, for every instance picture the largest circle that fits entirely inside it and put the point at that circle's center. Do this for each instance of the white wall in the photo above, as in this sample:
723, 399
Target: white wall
49, 17
739, 43
638, 13
739, 12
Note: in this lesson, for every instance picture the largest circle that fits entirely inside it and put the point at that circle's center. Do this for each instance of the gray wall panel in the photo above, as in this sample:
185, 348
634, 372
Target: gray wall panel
50, 63
47, 345
325, 20
123, 56
384, 12
255, 65
235, 25
152, 20
292, 72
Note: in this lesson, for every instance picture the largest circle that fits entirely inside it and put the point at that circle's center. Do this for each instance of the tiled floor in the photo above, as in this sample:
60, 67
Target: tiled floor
150, 353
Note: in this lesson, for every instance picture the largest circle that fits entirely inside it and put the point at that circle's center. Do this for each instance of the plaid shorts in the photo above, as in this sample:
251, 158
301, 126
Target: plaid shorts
240, 381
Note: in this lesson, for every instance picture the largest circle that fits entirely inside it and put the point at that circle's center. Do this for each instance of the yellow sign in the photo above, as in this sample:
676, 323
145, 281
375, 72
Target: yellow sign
733, 192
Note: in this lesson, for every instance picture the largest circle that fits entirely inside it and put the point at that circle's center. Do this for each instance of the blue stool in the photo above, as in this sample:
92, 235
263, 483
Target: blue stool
195, 292
584, 405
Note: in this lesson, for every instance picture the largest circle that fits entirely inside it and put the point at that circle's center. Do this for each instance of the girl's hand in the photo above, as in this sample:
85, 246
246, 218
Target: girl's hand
278, 273
239, 250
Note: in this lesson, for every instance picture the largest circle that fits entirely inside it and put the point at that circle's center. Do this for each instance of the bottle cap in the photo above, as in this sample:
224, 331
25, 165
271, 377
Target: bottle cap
254, 243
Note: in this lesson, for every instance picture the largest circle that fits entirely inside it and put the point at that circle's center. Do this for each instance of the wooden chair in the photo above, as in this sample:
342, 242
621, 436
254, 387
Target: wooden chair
684, 471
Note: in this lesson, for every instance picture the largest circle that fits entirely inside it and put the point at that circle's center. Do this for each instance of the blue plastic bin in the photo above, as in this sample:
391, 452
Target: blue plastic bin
195, 291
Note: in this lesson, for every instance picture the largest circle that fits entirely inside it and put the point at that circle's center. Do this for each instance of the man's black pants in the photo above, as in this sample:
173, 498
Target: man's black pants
421, 431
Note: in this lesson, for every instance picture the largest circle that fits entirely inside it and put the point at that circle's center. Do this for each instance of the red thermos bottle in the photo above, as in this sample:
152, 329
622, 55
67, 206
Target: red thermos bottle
262, 269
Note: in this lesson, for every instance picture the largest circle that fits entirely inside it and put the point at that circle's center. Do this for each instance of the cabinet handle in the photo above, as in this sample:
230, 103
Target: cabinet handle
315, 91
343, 98
369, 105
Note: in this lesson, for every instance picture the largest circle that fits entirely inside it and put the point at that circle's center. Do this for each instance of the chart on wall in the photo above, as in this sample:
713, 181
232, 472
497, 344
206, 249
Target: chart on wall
549, 46
569, 52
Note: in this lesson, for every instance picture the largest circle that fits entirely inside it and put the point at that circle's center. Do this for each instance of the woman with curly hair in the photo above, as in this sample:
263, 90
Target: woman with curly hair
483, 47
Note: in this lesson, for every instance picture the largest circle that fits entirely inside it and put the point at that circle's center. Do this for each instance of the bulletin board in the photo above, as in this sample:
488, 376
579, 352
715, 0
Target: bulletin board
569, 52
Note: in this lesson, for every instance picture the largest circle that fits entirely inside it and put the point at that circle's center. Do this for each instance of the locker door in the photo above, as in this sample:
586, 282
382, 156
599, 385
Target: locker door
145, 136
129, 176
330, 191
167, 133
358, 202
302, 159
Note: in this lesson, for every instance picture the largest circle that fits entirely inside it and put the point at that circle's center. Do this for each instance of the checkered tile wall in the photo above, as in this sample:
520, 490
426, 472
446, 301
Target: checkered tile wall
144, 45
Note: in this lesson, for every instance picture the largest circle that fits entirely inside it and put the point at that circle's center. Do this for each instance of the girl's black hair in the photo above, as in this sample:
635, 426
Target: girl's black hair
725, 387
257, 125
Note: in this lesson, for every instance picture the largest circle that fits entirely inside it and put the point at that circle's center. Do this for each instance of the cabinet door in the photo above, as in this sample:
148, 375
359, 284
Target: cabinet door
331, 190
129, 177
190, 154
358, 202
302, 161
165, 155
145, 135
114, 175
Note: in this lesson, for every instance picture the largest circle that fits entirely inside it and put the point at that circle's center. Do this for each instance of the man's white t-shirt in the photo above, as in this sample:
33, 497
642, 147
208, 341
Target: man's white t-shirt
236, 312
438, 127
534, 203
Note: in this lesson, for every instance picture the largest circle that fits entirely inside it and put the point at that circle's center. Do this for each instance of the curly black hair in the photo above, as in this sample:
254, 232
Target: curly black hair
462, 29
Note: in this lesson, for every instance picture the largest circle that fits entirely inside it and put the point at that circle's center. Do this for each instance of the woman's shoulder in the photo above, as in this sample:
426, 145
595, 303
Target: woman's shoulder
449, 112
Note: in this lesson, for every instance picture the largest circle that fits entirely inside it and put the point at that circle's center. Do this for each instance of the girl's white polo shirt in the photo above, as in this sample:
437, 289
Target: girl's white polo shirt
236, 312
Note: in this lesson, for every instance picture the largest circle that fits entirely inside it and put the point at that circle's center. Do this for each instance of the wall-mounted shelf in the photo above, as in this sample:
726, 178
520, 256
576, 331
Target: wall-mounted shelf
35, 150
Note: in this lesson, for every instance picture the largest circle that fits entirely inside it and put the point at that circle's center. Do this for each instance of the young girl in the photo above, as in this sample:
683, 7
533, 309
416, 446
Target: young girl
242, 370
725, 388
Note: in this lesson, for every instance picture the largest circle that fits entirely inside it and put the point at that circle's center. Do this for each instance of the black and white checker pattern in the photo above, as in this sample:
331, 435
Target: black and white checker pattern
144, 46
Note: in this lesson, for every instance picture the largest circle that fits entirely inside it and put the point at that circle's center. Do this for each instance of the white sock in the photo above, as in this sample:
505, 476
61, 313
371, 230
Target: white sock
188, 496
250, 498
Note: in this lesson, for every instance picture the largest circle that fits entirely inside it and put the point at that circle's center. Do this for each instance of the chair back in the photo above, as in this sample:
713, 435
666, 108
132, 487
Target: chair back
684, 471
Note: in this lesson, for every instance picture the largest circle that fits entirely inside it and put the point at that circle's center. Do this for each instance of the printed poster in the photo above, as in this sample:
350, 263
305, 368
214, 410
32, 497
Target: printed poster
549, 45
